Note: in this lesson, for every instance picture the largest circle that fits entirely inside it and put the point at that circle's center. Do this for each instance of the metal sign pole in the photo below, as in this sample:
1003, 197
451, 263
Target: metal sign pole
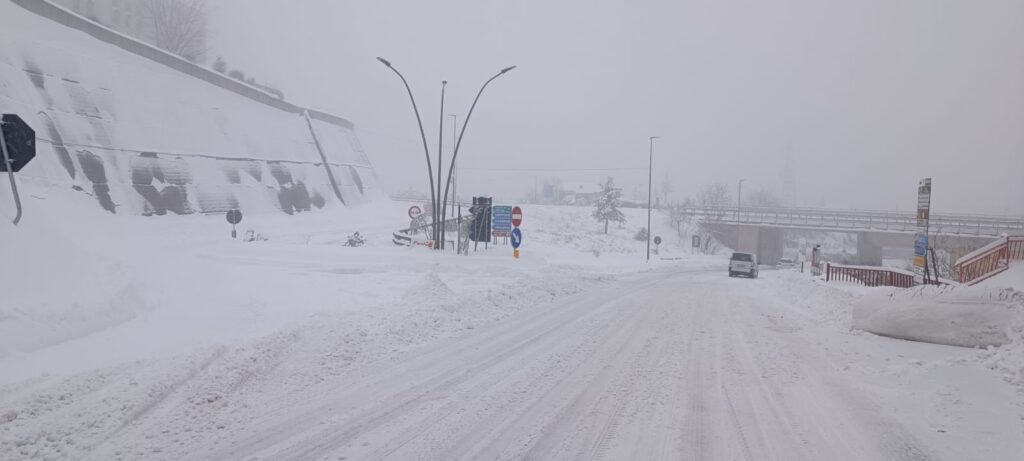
10, 175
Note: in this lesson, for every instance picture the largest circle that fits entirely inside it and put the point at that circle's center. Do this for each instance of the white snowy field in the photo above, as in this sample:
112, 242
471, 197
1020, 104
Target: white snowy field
163, 338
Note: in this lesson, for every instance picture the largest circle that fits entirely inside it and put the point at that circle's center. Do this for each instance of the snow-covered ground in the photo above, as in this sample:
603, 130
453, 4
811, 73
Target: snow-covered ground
162, 338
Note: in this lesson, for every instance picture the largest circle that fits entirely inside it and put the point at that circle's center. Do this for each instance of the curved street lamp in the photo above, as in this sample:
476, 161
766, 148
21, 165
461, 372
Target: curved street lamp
455, 155
426, 150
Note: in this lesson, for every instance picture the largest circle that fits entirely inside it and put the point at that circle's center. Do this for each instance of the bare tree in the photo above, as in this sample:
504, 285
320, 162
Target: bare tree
665, 189
179, 26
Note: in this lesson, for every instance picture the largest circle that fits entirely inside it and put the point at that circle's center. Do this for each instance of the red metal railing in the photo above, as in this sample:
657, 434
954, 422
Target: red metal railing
870, 276
989, 260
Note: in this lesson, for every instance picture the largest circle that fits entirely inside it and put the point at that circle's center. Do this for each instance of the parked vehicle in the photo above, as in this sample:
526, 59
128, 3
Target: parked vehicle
785, 263
743, 264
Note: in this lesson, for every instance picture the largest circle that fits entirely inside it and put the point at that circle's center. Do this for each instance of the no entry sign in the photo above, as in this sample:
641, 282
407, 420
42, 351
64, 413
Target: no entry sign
517, 216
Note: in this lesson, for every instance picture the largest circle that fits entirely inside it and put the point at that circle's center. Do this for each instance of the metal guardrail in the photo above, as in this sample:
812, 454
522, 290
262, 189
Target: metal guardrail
855, 220
869, 276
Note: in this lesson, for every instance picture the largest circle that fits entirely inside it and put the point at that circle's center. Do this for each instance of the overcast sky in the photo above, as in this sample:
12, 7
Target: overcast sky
865, 97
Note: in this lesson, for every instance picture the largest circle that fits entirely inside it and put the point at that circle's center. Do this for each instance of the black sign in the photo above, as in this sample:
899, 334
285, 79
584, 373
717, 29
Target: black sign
695, 241
481, 227
234, 216
657, 240
20, 140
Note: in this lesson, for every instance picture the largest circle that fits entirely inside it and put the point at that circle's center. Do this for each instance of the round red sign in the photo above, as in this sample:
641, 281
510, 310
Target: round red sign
414, 211
517, 216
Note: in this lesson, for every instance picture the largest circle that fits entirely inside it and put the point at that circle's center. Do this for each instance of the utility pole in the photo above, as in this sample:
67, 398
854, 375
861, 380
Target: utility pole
650, 179
739, 199
439, 245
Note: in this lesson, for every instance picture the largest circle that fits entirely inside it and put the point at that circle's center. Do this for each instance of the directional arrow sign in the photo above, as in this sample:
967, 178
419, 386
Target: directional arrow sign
517, 238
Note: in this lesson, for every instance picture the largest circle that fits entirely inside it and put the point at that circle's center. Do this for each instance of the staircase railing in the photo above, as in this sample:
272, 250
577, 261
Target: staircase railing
989, 260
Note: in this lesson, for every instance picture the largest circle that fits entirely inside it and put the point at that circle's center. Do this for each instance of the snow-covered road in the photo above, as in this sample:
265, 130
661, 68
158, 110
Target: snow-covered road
678, 363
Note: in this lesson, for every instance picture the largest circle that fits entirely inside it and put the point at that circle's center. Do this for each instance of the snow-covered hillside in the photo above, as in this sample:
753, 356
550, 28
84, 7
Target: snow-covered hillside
144, 132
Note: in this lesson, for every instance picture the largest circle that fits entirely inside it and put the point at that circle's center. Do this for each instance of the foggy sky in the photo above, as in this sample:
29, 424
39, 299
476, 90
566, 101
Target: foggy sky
866, 97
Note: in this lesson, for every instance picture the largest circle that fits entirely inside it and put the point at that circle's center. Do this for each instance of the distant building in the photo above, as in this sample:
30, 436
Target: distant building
579, 193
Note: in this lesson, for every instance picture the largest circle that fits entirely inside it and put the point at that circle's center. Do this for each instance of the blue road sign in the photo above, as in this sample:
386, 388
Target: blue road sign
501, 220
517, 238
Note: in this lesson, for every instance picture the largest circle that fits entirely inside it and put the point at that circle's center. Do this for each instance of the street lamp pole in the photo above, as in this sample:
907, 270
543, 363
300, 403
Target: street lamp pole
439, 245
458, 143
423, 135
455, 189
739, 199
455, 177
650, 179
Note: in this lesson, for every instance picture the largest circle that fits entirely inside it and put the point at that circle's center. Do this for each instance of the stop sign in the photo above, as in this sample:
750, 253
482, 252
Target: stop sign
20, 140
517, 216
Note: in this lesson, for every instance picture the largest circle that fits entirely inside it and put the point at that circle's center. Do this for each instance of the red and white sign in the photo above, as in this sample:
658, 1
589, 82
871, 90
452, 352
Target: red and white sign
414, 211
517, 216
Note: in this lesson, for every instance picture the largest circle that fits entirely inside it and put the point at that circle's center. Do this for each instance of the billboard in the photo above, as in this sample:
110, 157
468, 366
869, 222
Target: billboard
924, 201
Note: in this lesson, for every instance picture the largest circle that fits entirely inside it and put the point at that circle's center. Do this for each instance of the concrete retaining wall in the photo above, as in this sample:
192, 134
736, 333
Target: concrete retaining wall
145, 132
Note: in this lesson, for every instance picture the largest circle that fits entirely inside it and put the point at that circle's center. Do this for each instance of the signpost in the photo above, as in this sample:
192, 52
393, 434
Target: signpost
18, 146
517, 235
415, 212
517, 240
234, 217
501, 221
924, 202
694, 243
657, 243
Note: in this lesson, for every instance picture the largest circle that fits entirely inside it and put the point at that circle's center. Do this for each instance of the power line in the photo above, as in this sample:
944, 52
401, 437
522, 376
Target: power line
553, 169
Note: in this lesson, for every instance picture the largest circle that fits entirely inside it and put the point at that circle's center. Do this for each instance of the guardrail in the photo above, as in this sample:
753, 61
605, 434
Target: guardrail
855, 220
989, 260
870, 276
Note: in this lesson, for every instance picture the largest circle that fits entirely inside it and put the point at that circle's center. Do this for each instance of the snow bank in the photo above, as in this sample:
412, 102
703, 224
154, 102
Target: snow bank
953, 315
146, 133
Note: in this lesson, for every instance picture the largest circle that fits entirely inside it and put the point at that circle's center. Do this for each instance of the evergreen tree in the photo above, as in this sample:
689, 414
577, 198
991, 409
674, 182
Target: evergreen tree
607, 208
220, 65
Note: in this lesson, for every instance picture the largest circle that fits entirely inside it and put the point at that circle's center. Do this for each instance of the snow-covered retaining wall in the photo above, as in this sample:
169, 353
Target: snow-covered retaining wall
146, 132
955, 315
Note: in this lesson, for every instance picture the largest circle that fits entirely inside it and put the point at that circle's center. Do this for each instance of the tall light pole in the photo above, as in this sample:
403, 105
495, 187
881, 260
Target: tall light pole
739, 198
423, 135
455, 190
455, 177
439, 245
650, 179
458, 143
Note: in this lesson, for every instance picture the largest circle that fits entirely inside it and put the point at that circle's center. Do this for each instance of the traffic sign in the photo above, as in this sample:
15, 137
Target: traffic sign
234, 216
695, 241
501, 220
517, 216
517, 238
415, 212
657, 240
20, 142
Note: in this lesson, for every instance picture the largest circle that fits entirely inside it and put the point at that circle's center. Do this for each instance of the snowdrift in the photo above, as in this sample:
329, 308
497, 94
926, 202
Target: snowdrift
954, 315
145, 132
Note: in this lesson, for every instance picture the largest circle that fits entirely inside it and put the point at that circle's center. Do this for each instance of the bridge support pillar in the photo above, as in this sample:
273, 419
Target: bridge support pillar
765, 242
869, 251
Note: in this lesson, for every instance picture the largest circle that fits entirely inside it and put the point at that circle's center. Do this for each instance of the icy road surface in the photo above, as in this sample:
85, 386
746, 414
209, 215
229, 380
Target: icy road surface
671, 364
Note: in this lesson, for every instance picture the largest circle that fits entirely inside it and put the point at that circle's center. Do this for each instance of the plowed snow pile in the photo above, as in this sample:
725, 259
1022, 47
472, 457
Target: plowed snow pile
952, 315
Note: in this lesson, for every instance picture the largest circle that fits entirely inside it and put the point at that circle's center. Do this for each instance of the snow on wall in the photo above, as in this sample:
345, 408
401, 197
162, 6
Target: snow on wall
145, 132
